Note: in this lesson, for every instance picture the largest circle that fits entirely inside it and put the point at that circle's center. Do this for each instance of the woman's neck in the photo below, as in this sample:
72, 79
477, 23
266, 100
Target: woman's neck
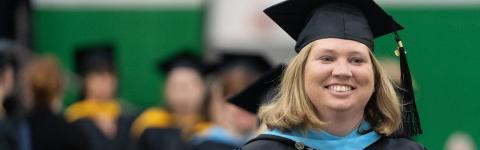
185, 119
98, 98
342, 123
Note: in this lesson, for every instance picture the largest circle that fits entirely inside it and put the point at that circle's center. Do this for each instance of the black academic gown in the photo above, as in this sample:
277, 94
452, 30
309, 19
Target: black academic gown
162, 139
94, 139
264, 141
212, 145
7, 136
49, 131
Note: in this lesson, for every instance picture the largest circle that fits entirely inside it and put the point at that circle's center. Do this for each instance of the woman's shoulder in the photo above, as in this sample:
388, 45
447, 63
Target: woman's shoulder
266, 141
396, 143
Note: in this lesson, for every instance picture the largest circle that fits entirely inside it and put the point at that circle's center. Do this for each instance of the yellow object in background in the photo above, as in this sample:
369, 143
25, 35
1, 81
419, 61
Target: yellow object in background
151, 118
92, 109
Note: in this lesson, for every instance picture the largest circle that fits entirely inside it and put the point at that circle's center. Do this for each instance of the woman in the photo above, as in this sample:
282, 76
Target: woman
44, 86
185, 112
334, 93
8, 67
98, 114
232, 126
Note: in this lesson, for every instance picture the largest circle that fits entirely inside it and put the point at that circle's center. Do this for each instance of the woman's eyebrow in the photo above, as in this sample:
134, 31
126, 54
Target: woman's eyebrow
355, 52
327, 50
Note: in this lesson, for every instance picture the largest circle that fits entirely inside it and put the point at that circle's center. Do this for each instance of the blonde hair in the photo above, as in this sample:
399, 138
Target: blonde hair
291, 107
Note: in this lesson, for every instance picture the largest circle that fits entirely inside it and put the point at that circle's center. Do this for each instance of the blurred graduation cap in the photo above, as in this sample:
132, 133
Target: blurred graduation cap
252, 62
257, 93
359, 20
183, 59
94, 58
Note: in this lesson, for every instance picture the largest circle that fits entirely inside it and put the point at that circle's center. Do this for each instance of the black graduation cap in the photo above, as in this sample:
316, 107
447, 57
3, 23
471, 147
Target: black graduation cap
309, 20
183, 59
256, 94
253, 62
94, 58
359, 20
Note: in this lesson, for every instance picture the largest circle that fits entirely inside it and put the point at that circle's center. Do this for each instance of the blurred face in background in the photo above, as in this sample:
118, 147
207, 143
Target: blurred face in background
184, 91
100, 85
236, 80
6, 82
217, 102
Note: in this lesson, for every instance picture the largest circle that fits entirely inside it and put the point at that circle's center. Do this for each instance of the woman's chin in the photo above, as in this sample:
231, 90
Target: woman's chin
342, 106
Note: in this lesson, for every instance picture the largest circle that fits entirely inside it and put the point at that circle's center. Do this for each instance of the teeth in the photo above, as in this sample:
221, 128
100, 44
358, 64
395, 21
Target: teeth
340, 88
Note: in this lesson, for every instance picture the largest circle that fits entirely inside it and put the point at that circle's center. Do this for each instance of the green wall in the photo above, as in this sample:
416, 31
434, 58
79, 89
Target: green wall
141, 37
441, 43
444, 59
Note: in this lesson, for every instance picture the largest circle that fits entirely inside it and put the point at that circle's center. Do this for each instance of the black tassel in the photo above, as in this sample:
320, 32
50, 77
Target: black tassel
410, 118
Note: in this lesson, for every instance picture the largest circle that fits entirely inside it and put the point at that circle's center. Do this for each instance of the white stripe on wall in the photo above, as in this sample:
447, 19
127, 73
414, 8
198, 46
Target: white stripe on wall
198, 3
429, 3
117, 3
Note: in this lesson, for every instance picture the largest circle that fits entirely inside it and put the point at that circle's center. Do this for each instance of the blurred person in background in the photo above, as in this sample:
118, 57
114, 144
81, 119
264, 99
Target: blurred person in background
98, 114
44, 87
185, 108
8, 136
16, 21
232, 125
392, 68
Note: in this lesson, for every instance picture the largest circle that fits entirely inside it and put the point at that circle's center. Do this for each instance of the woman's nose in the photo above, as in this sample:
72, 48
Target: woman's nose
342, 70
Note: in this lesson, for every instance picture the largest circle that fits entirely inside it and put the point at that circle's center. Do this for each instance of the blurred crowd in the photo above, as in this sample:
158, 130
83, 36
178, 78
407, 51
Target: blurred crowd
192, 114
195, 113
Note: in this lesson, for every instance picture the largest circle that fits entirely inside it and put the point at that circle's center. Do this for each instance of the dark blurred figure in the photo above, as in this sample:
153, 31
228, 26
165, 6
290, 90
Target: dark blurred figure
98, 114
232, 125
15, 21
44, 87
185, 113
8, 138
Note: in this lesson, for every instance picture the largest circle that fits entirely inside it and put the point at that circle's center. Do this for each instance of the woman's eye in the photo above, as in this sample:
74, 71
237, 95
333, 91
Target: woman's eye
327, 58
356, 60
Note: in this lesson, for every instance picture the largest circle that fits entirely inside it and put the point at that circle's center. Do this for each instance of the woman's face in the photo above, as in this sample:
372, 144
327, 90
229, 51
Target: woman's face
101, 86
338, 76
7, 79
184, 90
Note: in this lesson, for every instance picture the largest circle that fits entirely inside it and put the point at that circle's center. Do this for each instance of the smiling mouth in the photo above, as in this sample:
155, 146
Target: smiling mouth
340, 88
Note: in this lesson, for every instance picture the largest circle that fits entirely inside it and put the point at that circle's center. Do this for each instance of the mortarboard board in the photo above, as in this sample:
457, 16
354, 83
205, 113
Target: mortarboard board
359, 20
255, 94
309, 20
253, 62
94, 58
182, 59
